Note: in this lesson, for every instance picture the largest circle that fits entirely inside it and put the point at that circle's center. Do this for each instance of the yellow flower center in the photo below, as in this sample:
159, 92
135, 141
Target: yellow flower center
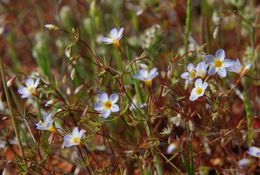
52, 128
76, 140
108, 104
31, 89
218, 63
148, 83
199, 90
193, 74
116, 43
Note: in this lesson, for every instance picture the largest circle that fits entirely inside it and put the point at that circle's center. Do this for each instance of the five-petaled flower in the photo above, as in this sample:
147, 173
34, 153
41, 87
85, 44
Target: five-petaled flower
254, 151
114, 37
106, 105
218, 63
147, 76
74, 138
46, 124
30, 88
198, 90
199, 71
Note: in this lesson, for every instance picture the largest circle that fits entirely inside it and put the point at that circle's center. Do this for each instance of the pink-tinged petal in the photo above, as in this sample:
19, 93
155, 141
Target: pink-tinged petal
114, 98
190, 67
120, 33
105, 113
115, 108
212, 70
113, 33
222, 73
106, 40
29, 82
185, 75
220, 54
25, 95
198, 82
75, 131
205, 85
99, 106
36, 82
102, 97
209, 58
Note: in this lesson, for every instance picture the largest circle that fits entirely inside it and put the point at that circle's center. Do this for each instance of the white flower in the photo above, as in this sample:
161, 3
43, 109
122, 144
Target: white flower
30, 88
46, 124
244, 162
147, 76
254, 151
74, 138
51, 27
218, 63
171, 148
106, 105
114, 37
198, 90
237, 67
201, 69
190, 75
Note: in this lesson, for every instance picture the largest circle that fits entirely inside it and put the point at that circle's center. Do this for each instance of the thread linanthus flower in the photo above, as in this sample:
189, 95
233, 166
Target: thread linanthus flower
199, 71
46, 124
254, 151
30, 88
198, 90
218, 63
114, 37
238, 68
74, 138
106, 104
243, 163
147, 76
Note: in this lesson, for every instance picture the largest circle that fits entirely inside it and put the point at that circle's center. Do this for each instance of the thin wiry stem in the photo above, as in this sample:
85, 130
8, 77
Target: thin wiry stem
14, 122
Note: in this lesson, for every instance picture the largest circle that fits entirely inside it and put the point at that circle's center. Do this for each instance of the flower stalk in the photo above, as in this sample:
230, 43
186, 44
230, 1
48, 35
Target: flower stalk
14, 122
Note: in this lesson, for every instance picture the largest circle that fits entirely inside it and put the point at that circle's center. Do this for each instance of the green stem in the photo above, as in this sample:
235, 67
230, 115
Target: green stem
249, 116
187, 25
14, 122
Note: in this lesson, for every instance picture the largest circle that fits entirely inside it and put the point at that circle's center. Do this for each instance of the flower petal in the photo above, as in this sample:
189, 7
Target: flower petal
120, 33
102, 97
212, 70
222, 72
190, 67
99, 106
198, 82
75, 131
115, 108
113, 33
106, 40
220, 54
29, 82
205, 85
105, 113
185, 75
114, 98
36, 83
209, 58
82, 133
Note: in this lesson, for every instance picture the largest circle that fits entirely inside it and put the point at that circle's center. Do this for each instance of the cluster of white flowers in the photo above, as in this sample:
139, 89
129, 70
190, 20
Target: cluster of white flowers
214, 64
